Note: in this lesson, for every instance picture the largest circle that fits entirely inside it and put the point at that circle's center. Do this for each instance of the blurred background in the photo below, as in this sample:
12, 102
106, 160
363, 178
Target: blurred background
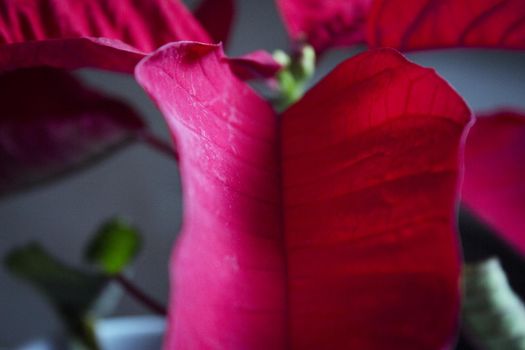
143, 186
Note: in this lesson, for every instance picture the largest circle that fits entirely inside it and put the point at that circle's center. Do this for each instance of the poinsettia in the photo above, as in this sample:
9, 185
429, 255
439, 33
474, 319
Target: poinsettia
331, 225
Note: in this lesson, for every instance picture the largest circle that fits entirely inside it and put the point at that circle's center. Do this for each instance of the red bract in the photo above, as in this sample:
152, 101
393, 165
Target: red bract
96, 33
433, 24
330, 227
111, 35
407, 24
494, 186
427, 24
325, 24
50, 124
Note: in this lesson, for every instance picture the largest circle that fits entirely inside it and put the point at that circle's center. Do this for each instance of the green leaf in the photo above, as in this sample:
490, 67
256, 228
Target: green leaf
70, 291
493, 315
114, 247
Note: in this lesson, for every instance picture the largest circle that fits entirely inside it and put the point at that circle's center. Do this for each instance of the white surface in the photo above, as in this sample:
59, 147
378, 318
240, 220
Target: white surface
124, 333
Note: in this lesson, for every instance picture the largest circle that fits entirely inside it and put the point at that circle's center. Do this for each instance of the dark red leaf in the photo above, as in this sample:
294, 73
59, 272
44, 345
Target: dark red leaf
325, 24
216, 16
50, 124
425, 24
96, 33
334, 230
494, 185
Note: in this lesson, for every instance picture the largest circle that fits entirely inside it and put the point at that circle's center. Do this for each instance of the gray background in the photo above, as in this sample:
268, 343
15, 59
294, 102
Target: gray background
144, 186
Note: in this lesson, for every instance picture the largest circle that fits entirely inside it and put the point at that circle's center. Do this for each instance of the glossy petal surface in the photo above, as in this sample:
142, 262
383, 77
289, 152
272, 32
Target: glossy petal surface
65, 33
216, 16
51, 124
332, 230
494, 185
425, 24
325, 24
